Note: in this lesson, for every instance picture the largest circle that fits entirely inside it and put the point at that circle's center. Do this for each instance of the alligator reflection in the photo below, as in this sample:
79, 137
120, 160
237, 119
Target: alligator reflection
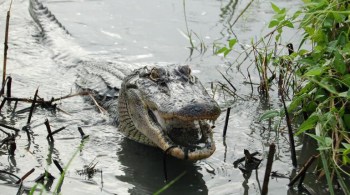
144, 169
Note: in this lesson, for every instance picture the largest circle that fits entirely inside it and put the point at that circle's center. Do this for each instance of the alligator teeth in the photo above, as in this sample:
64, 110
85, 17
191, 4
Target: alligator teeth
196, 124
159, 119
187, 133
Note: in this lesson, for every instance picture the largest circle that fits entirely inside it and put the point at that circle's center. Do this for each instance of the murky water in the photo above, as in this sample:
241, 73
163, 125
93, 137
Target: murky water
144, 32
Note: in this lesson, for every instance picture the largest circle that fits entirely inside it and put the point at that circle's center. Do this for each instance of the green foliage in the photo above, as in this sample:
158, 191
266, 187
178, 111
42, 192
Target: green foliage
279, 20
318, 76
269, 114
325, 70
227, 49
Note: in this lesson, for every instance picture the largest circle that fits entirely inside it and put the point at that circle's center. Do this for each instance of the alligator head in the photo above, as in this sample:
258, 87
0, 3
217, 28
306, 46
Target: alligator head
169, 108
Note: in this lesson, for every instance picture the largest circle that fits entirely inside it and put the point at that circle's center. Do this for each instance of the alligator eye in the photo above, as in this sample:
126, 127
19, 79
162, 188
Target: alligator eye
154, 74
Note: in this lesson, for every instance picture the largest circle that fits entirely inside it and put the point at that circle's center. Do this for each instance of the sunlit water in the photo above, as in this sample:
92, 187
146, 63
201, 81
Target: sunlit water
143, 32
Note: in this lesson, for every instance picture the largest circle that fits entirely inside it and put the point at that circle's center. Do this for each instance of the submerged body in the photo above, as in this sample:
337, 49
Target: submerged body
162, 106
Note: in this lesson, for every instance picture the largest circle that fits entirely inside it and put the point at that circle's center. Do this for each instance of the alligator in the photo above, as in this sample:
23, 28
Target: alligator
164, 106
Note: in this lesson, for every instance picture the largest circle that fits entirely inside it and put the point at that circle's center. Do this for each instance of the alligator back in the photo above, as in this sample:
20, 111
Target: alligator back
55, 36
100, 78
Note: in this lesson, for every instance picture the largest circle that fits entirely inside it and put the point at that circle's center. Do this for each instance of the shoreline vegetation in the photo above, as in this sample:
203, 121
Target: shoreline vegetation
314, 78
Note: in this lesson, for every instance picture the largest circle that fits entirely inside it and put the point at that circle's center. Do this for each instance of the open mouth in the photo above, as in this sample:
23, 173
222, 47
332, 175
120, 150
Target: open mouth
190, 138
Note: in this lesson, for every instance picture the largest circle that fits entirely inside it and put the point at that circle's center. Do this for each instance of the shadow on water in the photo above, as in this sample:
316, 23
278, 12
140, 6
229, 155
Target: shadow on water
143, 168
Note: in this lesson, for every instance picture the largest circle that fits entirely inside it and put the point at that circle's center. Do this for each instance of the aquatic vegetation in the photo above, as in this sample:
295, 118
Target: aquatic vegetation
316, 77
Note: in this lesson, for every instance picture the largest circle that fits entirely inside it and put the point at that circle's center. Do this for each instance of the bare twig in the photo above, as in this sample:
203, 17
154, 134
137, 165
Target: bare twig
290, 133
243, 159
56, 131
164, 162
48, 128
226, 121
303, 169
8, 127
6, 44
228, 81
272, 151
12, 146
2, 103
8, 173
71, 95
9, 83
83, 136
42, 177
58, 166
32, 107
25, 176
102, 110
8, 134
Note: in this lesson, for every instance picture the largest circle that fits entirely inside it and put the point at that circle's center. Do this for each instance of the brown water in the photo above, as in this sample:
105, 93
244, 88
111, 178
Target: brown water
135, 31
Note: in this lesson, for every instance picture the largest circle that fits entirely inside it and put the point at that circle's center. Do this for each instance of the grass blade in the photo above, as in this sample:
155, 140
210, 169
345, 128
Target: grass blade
170, 184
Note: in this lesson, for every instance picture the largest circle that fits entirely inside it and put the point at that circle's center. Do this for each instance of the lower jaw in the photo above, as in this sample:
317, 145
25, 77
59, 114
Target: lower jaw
192, 153
186, 154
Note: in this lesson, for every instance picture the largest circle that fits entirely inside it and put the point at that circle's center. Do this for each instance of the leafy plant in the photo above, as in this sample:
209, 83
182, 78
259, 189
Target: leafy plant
318, 77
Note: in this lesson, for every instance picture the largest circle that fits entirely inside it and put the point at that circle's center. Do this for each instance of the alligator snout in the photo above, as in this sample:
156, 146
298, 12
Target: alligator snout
197, 111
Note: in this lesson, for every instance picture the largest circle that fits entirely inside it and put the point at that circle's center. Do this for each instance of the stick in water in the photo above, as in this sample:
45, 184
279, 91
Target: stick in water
48, 128
226, 121
32, 107
9, 83
272, 151
6, 44
25, 176
290, 134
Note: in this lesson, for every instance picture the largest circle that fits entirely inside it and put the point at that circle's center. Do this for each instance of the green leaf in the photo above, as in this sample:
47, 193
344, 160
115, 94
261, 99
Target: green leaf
319, 139
314, 71
227, 52
338, 17
346, 48
296, 14
346, 145
275, 8
345, 94
324, 148
346, 159
232, 42
278, 37
346, 119
346, 80
303, 52
308, 124
325, 143
297, 100
343, 39
328, 23
324, 85
273, 23
310, 107
289, 24
269, 114
346, 152
328, 141
307, 61
221, 50
339, 63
